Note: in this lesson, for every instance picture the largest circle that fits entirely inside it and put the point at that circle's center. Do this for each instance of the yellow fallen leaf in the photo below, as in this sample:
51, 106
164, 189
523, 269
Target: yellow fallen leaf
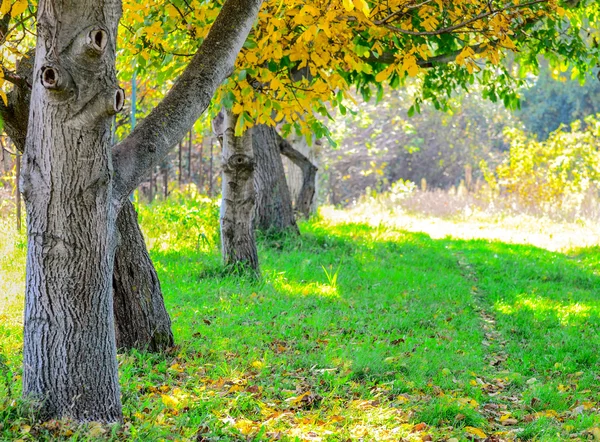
504, 417
176, 367
596, 433
475, 432
235, 389
245, 426
169, 401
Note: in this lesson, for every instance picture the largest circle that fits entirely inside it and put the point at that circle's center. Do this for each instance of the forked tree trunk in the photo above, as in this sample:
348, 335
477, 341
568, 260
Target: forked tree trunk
238, 200
141, 319
305, 185
69, 350
274, 211
74, 186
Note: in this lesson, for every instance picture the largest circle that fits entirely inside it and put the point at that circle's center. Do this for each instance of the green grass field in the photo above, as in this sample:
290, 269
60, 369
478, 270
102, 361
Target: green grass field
355, 332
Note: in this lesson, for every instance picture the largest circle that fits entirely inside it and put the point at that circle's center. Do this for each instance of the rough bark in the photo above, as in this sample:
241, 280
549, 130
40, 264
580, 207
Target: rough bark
134, 273
238, 200
141, 319
73, 194
69, 352
274, 211
305, 191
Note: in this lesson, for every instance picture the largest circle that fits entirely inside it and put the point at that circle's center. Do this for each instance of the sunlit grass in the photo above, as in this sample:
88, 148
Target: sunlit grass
356, 331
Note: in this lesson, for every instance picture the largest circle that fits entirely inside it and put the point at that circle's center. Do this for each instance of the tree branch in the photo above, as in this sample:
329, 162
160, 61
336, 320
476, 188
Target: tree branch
168, 123
463, 24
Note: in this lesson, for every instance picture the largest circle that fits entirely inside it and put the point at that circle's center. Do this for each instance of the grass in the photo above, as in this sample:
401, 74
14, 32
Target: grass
355, 332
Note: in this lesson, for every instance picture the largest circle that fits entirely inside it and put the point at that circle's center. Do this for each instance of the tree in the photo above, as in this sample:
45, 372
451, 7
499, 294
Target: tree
74, 185
551, 102
140, 315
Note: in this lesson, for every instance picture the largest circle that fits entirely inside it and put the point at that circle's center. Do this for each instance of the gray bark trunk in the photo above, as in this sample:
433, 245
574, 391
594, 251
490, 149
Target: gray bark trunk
69, 352
134, 273
73, 193
274, 212
302, 174
238, 200
141, 319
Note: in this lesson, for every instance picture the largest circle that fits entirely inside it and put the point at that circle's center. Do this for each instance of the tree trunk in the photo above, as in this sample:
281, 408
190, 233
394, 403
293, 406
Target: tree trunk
69, 352
141, 319
274, 211
133, 269
306, 189
74, 186
237, 206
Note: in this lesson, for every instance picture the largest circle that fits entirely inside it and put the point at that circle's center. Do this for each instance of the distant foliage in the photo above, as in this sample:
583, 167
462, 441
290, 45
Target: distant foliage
380, 144
553, 175
551, 101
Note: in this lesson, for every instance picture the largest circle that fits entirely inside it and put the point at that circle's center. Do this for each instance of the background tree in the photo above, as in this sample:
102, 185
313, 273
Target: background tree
555, 98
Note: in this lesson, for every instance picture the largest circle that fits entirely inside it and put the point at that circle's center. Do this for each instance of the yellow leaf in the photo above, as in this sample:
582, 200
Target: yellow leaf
504, 417
5, 7
172, 11
245, 426
18, 8
383, 75
258, 364
348, 5
362, 6
475, 431
169, 401
4, 97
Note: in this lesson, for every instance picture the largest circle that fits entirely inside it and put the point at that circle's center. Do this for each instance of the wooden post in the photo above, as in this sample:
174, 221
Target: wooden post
152, 184
210, 177
180, 163
189, 155
18, 192
202, 179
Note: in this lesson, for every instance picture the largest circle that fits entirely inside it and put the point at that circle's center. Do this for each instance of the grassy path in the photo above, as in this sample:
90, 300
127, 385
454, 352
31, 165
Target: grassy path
540, 311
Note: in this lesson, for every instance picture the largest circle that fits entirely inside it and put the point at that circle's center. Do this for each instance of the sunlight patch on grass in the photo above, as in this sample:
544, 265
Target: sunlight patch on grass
567, 313
306, 289
514, 229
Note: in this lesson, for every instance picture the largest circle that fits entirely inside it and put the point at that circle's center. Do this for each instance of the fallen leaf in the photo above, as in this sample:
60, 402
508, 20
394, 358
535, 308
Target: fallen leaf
419, 427
475, 432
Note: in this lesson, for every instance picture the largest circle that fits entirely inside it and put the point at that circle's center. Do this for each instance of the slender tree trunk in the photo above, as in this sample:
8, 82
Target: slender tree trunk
151, 197
17, 193
237, 206
274, 211
164, 168
210, 177
202, 178
189, 155
180, 163
141, 318
69, 351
